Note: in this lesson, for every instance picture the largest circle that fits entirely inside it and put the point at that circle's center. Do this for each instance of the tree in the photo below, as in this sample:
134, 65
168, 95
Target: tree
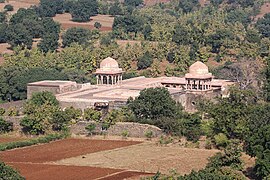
77, 35
216, 2
230, 114
97, 25
18, 35
7, 173
23, 14
49, 42
3, 30
115, 9
8, 7
48, 8
145, 61
40, 110
5, 126
3, 17
153, 103
129, 23
258, 137
83, 10
188, 5
230, 157
133, 3
263, 25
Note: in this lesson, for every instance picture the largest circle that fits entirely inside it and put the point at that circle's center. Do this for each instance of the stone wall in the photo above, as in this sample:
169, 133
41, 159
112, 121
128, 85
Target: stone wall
15, 120
18, 105
133, 129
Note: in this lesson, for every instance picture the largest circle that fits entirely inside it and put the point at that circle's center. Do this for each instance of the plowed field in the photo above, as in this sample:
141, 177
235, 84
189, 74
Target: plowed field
37, 162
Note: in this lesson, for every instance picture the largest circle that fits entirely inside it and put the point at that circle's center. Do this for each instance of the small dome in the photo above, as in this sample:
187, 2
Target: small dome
198, 68
109, 63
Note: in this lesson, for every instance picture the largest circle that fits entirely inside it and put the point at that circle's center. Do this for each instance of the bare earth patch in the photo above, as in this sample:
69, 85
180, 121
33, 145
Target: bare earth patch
145, 157
65, 21
60, 149
17, 5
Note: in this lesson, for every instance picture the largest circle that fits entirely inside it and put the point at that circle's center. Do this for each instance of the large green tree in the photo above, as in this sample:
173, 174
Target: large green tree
153, 103
78, 35
83, 10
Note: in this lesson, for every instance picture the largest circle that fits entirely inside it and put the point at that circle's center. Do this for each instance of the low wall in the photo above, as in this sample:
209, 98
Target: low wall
133, 129
15, 120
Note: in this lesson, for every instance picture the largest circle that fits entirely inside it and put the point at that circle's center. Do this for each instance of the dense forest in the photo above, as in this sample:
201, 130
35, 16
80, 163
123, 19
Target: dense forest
225, 34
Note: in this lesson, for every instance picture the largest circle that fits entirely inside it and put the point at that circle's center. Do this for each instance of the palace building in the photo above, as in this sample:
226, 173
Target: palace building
112, 92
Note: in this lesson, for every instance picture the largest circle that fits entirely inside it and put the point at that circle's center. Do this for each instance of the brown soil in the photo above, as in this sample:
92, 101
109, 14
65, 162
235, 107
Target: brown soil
58, 150
17, 5
65, 21
264, 10
146, 157
56, 172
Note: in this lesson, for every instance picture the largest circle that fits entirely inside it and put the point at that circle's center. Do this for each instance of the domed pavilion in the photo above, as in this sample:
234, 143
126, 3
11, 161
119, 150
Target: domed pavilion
109, 72
198, 78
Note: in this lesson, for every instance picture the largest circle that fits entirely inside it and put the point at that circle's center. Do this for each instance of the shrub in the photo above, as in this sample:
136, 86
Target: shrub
72, 113
9, 7
12, 112
5, 126
148, 134
2, 1
97, 25
7, 172
165, 140
32, 126
125, 133
221, 140
60, 120
2, 111
91, 114
91, 128
44, 139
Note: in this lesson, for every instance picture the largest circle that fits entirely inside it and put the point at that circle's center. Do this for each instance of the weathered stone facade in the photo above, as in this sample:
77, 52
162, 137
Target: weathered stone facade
113, 93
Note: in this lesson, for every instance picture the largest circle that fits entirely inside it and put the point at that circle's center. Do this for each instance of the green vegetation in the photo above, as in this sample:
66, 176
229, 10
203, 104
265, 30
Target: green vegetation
6, 173
9, 7
43, 115
30, 142
76, 35
5, 126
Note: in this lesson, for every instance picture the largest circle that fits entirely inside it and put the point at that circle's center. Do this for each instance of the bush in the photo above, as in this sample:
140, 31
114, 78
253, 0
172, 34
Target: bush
125, 133
72, 113
97, 25
7, 172
5, 126
91, 128
60, 121
221, 140
9, 7
2, 111
91, 114
2, 1
32, 126
12, 112
148, 134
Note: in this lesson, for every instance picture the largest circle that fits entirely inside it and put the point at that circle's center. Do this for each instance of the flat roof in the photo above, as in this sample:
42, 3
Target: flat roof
52, 83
